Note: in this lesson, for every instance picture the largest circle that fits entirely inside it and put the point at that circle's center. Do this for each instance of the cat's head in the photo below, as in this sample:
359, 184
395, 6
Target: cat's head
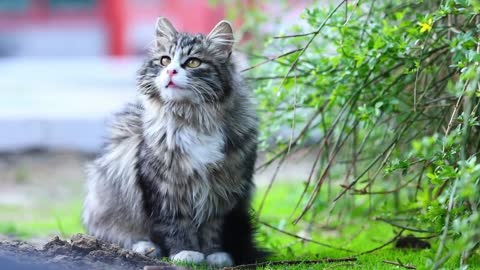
184, 67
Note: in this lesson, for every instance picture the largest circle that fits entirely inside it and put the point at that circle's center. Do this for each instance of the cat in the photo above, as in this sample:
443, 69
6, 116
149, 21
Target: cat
174, 178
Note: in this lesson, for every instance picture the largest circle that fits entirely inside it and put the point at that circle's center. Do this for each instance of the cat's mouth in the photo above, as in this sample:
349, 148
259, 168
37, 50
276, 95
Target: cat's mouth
171, 84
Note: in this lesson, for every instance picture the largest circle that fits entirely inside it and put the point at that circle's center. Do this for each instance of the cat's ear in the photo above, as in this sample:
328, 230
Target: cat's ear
164, 32
222, 36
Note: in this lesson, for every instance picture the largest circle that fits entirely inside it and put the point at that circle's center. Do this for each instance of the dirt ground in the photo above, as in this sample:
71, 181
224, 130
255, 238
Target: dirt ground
79, 253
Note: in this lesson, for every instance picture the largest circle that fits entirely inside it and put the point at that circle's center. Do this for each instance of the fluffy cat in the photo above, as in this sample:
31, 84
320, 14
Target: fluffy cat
175, 174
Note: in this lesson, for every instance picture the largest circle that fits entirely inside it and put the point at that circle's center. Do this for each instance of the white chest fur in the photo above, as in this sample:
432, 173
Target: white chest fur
186, 146
193, 151
199, 149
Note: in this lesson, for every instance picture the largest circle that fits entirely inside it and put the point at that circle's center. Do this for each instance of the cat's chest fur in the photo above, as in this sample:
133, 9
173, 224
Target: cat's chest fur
183, 149
191, 149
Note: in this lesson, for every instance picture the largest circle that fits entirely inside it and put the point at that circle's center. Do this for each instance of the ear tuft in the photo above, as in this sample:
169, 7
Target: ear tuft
222, 36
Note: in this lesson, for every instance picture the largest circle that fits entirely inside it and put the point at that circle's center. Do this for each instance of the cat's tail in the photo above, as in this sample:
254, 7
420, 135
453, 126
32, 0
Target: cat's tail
239, 237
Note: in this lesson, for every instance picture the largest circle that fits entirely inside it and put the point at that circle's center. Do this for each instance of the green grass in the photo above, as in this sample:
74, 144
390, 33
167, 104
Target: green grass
355, 231
42, 220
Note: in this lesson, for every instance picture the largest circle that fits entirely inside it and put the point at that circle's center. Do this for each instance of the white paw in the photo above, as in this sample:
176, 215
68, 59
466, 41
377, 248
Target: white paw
219, 259
146, 248
188, 256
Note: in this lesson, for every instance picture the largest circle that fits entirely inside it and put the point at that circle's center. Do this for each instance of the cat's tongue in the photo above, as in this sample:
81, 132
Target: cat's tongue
171, 84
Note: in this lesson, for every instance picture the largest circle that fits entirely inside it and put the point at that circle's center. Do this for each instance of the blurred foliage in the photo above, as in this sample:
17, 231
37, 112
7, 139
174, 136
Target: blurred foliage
387, 95
249, 18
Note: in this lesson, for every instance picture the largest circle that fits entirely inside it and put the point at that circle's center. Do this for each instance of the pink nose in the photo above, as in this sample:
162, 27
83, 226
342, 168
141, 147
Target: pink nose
171, 72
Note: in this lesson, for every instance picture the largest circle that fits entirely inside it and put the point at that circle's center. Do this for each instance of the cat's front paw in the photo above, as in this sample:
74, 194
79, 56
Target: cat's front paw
220, 259
146, 248
188, 256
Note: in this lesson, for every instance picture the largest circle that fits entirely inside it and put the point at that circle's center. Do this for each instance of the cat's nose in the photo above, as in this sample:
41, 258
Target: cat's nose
171, 72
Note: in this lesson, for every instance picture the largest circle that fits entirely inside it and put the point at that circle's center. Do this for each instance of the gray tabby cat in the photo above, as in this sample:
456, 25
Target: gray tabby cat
175, 174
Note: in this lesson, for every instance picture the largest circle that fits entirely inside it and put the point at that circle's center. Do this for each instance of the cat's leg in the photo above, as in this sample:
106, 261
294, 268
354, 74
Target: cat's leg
108, 224
116, 217
104, 225
211, 242
179, 236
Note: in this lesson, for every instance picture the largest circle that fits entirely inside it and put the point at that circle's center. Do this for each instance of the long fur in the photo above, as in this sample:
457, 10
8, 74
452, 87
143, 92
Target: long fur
177, 166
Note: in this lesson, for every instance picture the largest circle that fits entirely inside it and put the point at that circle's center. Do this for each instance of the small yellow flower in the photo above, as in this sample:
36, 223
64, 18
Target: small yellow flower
426, 26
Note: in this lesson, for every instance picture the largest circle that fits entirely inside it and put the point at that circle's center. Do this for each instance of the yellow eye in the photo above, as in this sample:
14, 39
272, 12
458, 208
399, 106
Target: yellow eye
165, 60
193, 63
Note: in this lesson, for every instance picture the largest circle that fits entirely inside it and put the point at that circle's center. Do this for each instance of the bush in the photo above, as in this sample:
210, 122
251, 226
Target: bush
387, 94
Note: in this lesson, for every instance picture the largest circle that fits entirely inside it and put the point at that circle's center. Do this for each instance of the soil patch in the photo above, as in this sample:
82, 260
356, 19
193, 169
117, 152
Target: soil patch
81, 252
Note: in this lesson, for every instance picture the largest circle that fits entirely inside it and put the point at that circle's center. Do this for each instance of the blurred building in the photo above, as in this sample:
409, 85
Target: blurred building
94, 27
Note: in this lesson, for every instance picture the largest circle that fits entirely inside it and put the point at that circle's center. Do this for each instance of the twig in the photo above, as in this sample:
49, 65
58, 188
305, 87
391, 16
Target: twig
428, 236
406, 266
383, 245
364, 191
347, 16
294, 115
440, 189
390, 222
326, 260
366, 21
309, 179
380, 167
419, 181
349, 264
443, 238
295, 35
302, 238
455, 109
270, 184
271, 59
417, 74
275, 77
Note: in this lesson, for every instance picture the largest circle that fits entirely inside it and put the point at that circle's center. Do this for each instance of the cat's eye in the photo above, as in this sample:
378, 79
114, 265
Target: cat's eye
193, 63
165, 61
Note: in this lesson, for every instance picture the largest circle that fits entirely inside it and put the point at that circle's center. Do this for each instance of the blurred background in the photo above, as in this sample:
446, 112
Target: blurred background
65, 67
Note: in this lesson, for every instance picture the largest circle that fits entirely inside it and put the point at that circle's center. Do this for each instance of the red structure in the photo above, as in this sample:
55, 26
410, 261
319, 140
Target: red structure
115, 17
115, 26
